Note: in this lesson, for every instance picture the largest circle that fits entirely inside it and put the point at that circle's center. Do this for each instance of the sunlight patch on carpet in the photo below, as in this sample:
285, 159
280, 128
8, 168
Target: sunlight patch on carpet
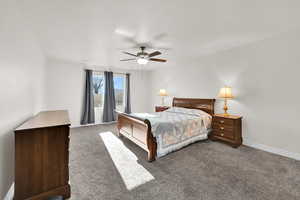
132, 173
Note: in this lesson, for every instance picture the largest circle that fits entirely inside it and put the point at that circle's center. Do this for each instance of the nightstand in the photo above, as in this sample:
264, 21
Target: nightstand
161, 108
227, 128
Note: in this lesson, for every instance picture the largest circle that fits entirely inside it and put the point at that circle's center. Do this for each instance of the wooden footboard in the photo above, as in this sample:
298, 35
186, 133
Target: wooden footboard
139, 132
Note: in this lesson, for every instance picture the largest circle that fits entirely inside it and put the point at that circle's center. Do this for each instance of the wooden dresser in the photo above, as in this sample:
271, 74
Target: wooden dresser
42, 157
227, 128
161, 108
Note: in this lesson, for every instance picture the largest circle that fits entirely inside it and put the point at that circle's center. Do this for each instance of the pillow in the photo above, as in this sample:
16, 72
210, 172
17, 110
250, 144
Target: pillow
187, 111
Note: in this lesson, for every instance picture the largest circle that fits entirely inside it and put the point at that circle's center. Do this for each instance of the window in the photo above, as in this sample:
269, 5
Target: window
98, 85
119, 84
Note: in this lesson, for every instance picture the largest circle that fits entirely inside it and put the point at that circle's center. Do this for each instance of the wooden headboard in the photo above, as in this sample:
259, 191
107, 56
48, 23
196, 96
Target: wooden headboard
207, 105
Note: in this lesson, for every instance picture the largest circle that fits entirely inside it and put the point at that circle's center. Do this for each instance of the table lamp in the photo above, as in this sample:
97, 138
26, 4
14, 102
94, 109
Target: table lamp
163, 94
226, 93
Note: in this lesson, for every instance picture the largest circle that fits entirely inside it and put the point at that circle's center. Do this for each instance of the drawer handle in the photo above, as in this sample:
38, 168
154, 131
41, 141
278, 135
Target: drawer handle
222, 128
222, 122
222, 134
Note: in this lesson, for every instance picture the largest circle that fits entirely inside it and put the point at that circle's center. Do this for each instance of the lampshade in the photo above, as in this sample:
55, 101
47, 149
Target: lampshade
163, 92
226, 92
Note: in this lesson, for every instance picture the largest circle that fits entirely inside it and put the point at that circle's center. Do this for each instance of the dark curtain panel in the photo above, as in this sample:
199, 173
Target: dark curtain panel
88, 115
109, 98
127, 93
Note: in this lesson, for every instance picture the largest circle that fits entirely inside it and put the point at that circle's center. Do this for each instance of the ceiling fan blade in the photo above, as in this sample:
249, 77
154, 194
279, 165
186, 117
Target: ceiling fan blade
155, 53
128, 59
158, 60
129, 54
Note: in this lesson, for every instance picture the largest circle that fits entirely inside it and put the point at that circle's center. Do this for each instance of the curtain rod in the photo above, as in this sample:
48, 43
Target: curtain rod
116, 72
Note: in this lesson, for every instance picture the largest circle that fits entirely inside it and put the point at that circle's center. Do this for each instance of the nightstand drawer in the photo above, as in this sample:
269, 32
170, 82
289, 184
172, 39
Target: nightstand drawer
222, 127
225, 134
220, 120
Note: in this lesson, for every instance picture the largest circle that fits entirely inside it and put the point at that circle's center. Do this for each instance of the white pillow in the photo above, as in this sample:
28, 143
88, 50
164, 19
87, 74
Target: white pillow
187, 111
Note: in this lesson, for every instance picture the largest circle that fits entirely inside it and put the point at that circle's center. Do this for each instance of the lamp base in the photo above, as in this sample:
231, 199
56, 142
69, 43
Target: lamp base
225, 108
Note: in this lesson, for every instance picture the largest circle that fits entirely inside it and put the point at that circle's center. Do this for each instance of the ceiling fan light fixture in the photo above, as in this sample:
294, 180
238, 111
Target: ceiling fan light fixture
142, 61
142, 57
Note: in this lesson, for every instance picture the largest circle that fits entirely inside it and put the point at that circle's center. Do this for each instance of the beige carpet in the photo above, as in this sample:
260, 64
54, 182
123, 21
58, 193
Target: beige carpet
103, 167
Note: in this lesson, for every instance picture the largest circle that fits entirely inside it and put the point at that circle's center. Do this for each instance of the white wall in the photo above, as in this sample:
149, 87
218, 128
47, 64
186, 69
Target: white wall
265, 79
21, 83
65, 83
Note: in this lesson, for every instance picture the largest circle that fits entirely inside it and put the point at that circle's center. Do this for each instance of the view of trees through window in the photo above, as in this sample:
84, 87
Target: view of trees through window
98, 85
119, 84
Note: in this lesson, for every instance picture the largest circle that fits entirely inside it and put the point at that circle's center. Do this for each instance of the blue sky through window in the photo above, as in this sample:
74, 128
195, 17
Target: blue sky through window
118, 82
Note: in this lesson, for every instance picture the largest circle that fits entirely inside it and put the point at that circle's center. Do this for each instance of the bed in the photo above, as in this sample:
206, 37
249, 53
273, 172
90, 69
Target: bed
188, 119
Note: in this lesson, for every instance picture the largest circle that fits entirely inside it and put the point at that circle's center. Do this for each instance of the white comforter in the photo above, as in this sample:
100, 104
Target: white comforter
177, 127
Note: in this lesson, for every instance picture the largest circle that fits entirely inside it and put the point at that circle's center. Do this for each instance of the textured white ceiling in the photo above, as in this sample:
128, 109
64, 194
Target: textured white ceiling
95, 30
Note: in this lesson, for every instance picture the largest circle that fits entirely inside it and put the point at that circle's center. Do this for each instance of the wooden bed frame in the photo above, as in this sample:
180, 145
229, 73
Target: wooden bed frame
139, 131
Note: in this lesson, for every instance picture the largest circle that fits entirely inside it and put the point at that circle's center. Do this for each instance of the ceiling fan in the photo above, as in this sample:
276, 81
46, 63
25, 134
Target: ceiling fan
143, 57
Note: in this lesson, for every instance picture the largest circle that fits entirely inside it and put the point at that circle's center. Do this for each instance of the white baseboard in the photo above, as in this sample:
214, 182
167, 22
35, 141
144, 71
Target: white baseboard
10, 194
273, 150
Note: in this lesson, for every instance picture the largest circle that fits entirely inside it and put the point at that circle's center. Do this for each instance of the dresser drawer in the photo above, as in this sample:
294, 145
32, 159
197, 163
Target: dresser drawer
222, 127
220, 120
225, 134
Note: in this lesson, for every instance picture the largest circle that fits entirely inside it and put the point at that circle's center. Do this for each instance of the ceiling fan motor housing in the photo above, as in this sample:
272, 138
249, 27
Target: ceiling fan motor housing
142, 54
